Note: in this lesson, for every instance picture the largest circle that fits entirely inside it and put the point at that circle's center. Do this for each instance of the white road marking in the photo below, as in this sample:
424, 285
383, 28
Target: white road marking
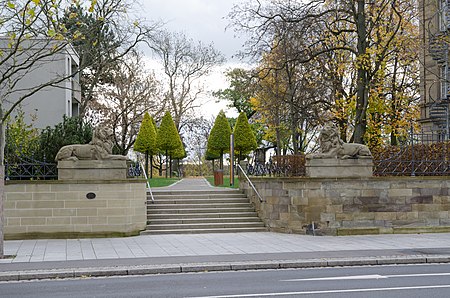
372, 276
328, 292
355, 277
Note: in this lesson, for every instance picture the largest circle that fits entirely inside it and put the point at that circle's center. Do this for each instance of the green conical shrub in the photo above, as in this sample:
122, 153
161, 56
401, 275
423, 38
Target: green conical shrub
219, 137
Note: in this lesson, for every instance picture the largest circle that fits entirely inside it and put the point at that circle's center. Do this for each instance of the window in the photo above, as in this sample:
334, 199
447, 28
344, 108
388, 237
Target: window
444, 81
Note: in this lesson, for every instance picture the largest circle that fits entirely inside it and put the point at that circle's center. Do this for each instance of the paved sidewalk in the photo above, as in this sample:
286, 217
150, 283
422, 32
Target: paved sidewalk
156, 246
156, 254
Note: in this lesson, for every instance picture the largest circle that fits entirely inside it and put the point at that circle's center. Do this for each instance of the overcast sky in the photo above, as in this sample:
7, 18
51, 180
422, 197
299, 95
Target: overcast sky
203, 20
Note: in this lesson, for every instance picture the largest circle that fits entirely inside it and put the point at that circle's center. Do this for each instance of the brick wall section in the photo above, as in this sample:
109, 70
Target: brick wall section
60, 209
354, 206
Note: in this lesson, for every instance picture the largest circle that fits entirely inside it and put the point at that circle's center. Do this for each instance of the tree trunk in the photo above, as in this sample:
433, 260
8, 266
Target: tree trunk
151, 167
362, 92
2, 181
167, 163
160, 166
146, 163
294, 124
394, 119
221, 160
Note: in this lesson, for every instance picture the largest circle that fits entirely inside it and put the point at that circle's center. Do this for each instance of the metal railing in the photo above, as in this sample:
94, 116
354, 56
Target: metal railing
148, 183
250, 183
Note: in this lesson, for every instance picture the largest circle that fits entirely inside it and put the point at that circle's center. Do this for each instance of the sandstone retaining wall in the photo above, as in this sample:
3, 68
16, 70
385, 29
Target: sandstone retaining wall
354, 206
62, 209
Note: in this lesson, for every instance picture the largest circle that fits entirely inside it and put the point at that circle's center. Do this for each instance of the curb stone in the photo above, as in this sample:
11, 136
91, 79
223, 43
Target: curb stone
209, 267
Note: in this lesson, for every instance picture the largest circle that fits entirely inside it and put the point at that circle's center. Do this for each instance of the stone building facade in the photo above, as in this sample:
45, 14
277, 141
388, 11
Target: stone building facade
434, 65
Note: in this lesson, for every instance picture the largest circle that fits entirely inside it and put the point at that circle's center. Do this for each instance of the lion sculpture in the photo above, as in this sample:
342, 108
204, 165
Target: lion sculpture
100, 148
331, 145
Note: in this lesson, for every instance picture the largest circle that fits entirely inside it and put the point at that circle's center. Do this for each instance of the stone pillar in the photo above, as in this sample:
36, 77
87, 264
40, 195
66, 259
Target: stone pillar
339, 168
92, 170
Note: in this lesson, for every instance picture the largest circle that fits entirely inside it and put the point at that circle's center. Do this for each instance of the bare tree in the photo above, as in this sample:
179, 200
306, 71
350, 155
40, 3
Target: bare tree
131, 93
185, 64
195, 134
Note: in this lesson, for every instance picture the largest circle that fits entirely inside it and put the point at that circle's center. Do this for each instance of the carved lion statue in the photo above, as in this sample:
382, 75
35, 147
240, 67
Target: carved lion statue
99, 148
331, 145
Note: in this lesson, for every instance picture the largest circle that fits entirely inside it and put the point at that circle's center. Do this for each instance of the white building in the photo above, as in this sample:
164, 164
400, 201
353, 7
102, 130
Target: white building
30, 69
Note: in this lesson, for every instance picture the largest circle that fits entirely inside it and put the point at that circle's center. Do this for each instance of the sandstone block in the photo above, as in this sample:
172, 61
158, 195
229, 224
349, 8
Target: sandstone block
338, 168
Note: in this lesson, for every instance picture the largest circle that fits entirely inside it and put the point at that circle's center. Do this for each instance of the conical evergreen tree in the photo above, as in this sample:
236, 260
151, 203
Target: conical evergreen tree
244, 139
167, 139
146, 141
219, 137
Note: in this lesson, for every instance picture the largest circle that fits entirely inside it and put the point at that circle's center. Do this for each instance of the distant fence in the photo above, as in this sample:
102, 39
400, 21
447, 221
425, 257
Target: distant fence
424, 154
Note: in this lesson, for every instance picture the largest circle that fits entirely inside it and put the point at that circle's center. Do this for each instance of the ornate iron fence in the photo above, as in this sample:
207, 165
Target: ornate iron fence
424, 154
28, 168
279, 166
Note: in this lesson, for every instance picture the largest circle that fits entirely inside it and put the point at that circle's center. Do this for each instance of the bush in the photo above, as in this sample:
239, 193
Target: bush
71, 131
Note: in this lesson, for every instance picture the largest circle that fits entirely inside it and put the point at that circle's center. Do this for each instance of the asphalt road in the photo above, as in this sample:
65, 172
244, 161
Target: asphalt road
375, 281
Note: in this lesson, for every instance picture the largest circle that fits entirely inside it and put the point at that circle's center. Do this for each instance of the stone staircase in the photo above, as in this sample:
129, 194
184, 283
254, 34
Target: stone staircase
201, 211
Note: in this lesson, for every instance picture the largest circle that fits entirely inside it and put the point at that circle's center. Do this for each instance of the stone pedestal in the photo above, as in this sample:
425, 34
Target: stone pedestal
339, 168
92, 170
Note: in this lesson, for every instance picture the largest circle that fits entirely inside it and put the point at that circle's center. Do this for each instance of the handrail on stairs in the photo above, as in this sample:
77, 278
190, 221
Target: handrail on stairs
148, 183
250, 183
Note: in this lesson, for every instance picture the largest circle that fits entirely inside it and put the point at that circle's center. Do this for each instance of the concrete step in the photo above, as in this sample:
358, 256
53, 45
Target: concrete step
202, 215
203, 231
224, 225
202, 196
199, 210
208, 211
198, 201
190, 221
195, 192
198, 206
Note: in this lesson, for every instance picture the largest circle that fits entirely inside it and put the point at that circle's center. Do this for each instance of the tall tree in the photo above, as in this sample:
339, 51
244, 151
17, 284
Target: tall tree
243, 86
219, 137
167, 139
185, 64
351, 24
109, 33
146, 141
244, 139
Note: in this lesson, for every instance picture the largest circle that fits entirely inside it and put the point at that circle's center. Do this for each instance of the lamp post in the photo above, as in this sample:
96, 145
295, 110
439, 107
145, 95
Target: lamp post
232, 160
